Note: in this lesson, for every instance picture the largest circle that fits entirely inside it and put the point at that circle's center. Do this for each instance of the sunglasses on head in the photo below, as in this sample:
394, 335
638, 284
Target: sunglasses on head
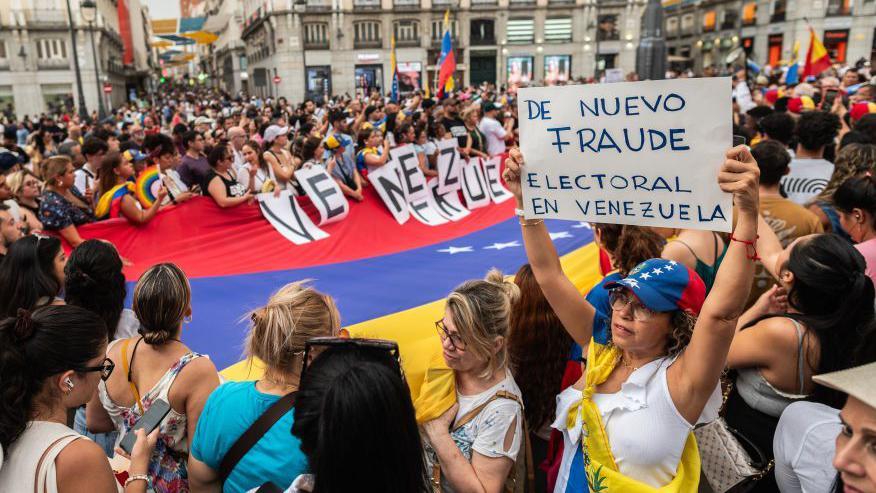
317, 345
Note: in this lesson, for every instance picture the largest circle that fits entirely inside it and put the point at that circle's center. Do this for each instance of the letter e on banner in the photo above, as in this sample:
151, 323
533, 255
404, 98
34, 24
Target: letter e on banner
412, 176
388, 185
450, 164
474, 186
287, 217
494, 184
447, 204
325, 194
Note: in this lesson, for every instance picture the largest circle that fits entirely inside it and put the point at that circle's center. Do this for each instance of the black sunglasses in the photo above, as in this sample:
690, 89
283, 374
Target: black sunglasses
106, 369
322, 343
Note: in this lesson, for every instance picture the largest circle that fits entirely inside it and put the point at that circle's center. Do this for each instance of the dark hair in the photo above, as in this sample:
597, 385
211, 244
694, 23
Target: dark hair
217, 153
833, 297
35, 346
363, 137
538, 348
259, 153
157, 145
354, 408
629, 245
94, 281
27, 274
772, 159
106, 177
188, 138
401, 130
854, 137
778, 126
161, 298
856, 193
94, 145
867, 126
311, 144
104, 135
816, 129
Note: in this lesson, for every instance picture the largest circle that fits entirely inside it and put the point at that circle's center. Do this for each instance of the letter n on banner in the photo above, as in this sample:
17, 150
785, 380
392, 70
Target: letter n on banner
325, 194
449, 166
474, 186
388, 185
494, 184
447, 204
287, 217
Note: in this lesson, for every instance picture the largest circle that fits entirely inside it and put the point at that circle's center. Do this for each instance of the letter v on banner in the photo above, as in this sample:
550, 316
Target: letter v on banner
325, 194
450, 164
494, 184
388, 185
287, 217
474, 186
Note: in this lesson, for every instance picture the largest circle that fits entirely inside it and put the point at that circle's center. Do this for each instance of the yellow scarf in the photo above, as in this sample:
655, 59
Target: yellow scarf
602, 471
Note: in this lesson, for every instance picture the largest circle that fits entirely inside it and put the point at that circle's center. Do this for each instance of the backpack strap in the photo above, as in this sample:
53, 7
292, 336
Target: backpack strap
254, 433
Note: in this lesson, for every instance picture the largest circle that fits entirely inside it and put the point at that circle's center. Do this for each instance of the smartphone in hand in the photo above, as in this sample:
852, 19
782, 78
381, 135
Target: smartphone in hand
148, 422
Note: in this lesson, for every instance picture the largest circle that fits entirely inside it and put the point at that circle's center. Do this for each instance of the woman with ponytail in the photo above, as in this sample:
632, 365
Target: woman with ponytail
157, 365
855, 201
51, 361
474, 443
776, 351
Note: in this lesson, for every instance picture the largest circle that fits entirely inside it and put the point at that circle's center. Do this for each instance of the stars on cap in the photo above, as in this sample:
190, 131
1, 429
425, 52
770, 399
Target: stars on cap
630, 282
657, 271
645, 276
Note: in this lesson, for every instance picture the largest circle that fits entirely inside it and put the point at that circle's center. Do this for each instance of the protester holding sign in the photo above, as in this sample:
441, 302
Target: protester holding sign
342, 167
669, 346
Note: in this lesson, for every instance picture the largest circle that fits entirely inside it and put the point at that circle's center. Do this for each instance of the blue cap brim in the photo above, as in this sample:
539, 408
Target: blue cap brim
649, 296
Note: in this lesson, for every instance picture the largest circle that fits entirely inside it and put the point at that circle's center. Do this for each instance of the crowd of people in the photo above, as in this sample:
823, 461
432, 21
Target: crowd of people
768, 330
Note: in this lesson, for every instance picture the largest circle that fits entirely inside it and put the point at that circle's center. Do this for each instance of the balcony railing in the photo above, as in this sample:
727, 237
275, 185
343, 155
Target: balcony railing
408, 42
318, 5
366, 4
727, 25
319, 44
778, 17
53, 63
475, 3
521, 3
370, 43
46, 18
406, 4
835, 9
485, 41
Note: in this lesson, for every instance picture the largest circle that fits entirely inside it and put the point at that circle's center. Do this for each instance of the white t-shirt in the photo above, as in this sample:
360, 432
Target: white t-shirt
84, 177
485, 434
804, 446
495, 134
807, 178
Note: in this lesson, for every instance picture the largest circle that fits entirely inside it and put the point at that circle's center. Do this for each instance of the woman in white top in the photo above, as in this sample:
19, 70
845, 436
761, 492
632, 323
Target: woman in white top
658, 375
476, 441
50, 362
277, 155
255, 174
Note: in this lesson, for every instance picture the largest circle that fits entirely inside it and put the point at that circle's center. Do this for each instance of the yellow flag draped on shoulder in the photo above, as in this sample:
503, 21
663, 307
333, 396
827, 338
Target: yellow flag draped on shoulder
601, 468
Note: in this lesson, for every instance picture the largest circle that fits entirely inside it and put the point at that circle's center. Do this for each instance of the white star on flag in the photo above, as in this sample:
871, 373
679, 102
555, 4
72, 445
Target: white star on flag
673, 262
668, 267
581, 225
502, 246
645, 276
657, 271
561, 234
631, 282
454, 250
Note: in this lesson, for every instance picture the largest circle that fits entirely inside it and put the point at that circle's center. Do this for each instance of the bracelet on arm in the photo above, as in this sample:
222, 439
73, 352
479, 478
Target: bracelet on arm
137, 477
750, 249
530, 222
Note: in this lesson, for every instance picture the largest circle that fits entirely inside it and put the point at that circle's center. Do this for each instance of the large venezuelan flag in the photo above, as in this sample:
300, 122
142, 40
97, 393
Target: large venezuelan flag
389, 280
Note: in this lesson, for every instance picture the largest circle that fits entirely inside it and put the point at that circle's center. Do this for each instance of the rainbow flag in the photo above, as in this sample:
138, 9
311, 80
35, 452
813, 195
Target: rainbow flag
817, 58
145, 182
110, 203
447, 60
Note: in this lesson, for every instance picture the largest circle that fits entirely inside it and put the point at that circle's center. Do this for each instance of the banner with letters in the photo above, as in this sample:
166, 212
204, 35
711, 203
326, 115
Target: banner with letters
644, 153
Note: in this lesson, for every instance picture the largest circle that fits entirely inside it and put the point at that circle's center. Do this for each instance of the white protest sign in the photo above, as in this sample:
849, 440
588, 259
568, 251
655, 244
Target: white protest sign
324, 192
474, 186
411, 175
287, 217
807, 178
497, 191
449, 166
614, 75
643, 153
387, 183
447, 204
426, 211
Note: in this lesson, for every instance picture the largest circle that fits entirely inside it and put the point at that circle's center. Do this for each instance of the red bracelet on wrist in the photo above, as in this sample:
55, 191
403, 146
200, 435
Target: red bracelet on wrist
749, 247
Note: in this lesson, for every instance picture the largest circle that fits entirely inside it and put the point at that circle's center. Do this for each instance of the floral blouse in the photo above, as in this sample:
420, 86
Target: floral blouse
57, 213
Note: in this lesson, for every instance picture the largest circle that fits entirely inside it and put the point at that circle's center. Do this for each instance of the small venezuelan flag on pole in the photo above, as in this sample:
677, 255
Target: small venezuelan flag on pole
447, 60
393, 66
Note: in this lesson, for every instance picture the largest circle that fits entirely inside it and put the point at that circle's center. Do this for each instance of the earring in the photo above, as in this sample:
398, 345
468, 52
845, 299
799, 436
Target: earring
187, 320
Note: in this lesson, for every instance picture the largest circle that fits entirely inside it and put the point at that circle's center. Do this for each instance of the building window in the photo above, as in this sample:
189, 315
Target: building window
316, 35
779, 7
521, 31
749, 14
837, 42
671, 26
367, 34
730, 18
557, 29
608, 30
51, 49
407, 3
687, 24
774, 53
2, 50
407, 32
709, 21
839, 7
373, 4
438, 30
483, 32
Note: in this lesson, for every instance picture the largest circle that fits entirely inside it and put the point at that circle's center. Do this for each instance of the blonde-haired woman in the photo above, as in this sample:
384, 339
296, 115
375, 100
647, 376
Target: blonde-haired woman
157, 365
279, 330
26, 189
473, 446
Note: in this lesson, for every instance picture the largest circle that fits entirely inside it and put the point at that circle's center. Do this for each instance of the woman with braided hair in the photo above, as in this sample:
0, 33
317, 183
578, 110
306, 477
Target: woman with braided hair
51, 361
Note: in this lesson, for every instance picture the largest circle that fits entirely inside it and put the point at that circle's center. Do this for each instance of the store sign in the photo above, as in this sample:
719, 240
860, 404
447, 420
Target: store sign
107, 88
367, 57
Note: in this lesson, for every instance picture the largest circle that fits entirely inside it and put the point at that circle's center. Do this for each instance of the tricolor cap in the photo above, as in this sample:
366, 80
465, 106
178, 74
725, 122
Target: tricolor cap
773, 95
664, 286
858, 110
801, 104
334, 141
134, 155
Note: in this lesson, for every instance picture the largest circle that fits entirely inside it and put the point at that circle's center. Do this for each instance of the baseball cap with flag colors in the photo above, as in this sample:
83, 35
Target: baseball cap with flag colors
801, 104
664, 286
858, 110
334, 141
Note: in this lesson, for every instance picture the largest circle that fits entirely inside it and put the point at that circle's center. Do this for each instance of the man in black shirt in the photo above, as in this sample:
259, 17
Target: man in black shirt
453, 123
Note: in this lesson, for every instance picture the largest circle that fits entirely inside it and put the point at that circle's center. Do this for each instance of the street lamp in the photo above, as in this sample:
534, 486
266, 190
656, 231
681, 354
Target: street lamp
88, 10
83, 111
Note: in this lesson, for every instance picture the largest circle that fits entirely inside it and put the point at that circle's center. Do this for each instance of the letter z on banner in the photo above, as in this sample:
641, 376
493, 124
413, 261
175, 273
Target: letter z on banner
325, 194
287, 217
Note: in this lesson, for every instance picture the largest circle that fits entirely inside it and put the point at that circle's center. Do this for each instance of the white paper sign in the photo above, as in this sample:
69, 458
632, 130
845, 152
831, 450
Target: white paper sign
324, 192
474, 185
449, 166
387, 183
287, 217
447, 204
498, 192
411, 175
426, 211
807, 178
644, 153
614, 75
